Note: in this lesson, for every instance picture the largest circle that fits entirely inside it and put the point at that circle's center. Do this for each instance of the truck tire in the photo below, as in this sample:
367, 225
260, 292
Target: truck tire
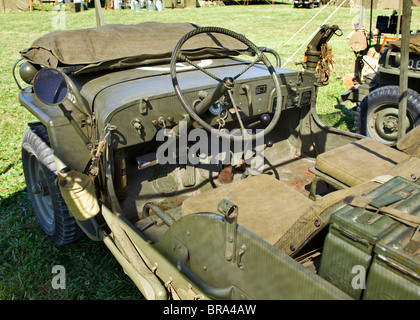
377, 115
40, 173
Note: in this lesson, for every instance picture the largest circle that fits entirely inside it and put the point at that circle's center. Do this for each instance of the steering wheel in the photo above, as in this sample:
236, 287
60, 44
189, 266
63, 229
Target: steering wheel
224, 85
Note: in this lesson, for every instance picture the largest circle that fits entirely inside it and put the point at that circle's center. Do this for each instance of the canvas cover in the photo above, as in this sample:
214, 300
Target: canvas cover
414, 44
121, 46
14, 5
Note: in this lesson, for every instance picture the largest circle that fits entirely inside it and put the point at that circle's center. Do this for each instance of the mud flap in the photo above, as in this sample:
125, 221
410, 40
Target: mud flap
78, 191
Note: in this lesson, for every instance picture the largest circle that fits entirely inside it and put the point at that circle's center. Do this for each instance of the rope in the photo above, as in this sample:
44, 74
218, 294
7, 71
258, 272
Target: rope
313, 34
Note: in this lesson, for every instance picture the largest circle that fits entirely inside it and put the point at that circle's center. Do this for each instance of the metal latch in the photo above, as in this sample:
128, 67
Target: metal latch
230, 212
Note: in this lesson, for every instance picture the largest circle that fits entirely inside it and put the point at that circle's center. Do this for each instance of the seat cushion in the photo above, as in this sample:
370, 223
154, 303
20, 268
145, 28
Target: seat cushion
359, 161
266, 206
410, 143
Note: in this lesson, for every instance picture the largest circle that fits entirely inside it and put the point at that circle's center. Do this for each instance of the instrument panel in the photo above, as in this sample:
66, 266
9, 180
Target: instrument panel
139, 108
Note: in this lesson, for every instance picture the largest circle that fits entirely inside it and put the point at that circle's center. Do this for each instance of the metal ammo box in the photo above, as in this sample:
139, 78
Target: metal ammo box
361, 243
395, 270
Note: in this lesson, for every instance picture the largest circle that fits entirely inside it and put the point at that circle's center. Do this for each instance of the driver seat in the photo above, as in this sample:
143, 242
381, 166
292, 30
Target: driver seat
266, 206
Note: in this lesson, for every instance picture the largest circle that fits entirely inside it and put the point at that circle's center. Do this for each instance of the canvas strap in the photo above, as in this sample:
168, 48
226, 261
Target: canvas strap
396, 214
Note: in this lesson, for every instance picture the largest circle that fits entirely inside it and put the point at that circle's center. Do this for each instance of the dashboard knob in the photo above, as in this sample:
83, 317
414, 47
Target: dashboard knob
269, 144
265, 118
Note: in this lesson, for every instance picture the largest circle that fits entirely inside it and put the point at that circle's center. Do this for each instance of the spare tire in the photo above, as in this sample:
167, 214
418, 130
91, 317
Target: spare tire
377, 115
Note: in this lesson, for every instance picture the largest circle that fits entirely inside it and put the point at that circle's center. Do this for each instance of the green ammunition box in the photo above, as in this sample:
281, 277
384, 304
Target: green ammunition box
395, 270
354, 232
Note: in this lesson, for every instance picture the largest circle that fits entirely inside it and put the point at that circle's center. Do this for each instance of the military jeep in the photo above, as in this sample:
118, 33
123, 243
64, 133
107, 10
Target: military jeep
206, 171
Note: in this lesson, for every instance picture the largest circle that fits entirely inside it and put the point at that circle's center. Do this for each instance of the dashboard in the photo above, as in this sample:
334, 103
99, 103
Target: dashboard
140, 107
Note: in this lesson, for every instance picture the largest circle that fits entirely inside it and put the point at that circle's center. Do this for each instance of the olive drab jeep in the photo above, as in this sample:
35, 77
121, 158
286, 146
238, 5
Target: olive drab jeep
206, 171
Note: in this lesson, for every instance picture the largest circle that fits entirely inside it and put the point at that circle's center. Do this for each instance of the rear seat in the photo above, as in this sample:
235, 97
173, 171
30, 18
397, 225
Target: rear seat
361, 161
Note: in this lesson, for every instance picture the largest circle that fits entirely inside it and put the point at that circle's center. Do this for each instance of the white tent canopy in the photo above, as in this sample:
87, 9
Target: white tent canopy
14, 5
379, 4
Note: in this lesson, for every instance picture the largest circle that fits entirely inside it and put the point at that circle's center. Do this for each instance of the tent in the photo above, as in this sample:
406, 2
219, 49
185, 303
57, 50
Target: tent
14, 5
379, 4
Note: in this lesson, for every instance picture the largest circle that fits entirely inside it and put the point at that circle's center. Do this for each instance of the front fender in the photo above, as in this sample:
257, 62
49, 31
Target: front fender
67, 146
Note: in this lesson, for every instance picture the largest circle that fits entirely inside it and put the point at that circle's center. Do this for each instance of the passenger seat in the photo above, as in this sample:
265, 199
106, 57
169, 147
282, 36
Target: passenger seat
362, 160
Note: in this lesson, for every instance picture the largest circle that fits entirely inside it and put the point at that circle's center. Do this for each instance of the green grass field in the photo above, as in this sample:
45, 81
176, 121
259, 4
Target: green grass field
26, 255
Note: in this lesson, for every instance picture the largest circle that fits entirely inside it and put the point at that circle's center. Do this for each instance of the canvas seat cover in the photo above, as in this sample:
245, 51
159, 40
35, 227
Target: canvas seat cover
359, 161
266, 206
366, 159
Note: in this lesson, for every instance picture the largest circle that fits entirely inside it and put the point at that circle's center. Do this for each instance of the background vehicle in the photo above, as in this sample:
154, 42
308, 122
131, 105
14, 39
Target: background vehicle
377, 95
306, 3
377, 98
160, 220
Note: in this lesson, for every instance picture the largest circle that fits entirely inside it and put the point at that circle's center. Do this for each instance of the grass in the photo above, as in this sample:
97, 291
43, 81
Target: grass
27, 256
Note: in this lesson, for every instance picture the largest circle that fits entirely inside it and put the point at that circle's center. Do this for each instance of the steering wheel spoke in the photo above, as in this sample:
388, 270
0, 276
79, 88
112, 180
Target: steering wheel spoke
237, 114
183, 57
258, 59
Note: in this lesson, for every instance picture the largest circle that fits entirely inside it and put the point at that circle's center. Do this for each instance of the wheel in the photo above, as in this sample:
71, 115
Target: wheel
225, 85
40, 173
377, 114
